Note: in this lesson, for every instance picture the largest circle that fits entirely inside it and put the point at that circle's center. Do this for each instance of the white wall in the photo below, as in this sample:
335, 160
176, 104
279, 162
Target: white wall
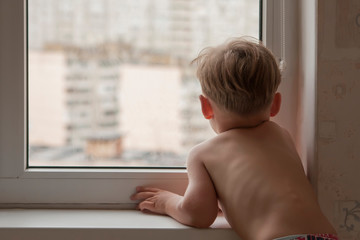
329, 116
338, 114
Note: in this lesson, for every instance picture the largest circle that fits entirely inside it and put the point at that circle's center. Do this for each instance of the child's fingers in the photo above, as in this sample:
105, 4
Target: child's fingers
147, 205
146, 189
142, 195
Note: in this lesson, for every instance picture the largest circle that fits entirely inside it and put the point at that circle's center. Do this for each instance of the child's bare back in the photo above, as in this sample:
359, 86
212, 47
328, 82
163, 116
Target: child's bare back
260, 183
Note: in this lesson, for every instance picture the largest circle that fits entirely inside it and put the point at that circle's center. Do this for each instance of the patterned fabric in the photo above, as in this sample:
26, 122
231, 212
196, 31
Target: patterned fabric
310, 237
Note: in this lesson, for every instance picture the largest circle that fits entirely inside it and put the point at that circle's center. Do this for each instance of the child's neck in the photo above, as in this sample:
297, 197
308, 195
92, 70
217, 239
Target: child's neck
225, 123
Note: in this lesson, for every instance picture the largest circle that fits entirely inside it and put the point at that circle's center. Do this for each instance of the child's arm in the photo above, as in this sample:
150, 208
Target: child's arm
198, 207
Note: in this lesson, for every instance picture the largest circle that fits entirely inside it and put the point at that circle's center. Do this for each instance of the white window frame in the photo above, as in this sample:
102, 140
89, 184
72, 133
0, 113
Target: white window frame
77, 187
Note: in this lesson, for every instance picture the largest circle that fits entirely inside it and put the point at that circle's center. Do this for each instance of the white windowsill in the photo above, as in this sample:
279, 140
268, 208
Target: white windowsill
62, 224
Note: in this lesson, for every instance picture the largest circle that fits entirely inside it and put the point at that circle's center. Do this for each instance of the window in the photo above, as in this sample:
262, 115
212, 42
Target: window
116, 79
90, 186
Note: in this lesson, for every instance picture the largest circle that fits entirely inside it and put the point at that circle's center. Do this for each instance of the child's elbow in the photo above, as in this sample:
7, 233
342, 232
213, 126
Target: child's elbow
202, 222
201, 219
199, 214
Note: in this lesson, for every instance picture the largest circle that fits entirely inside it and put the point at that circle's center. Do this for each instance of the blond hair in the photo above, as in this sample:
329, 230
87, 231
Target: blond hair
241, 75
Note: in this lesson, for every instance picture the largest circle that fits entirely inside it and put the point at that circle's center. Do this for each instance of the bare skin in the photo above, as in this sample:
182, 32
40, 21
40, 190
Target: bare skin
253, 169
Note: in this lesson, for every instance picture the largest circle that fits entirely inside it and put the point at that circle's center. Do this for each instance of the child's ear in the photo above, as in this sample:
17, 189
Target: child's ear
275, 105
206, 107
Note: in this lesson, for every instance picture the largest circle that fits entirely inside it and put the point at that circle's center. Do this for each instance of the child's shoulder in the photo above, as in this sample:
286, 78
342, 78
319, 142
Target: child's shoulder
276, 128
205, 147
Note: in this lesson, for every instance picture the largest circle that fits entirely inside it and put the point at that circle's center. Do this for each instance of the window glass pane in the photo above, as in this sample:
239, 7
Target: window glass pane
110, 82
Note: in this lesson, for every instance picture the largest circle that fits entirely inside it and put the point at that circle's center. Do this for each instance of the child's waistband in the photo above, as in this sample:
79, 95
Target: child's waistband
310, 237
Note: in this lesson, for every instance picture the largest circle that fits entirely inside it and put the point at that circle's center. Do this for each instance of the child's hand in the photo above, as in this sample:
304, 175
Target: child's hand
154, 200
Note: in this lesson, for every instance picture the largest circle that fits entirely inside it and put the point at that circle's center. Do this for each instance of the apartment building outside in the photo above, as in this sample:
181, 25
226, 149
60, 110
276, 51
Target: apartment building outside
101, 41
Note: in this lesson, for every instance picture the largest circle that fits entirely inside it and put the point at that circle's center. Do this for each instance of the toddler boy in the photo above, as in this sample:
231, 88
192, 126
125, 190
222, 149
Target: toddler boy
251, 167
